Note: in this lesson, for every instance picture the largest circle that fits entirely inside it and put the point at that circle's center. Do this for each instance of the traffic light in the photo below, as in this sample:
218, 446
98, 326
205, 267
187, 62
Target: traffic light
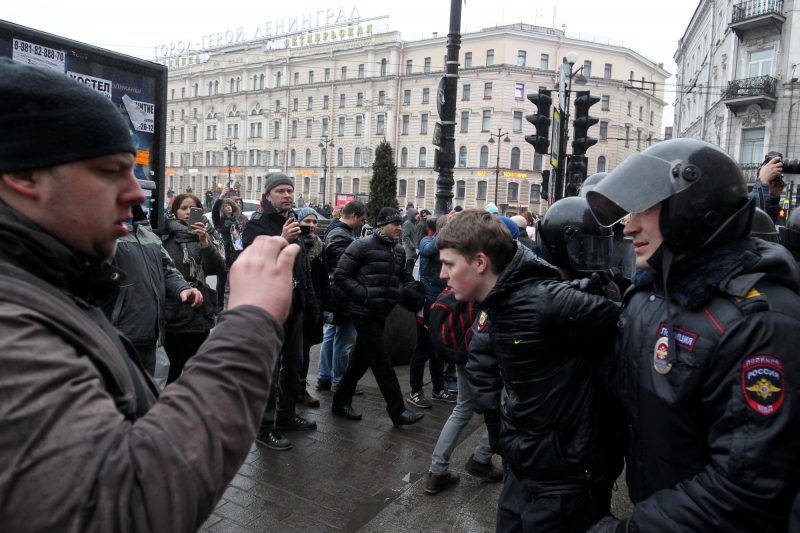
581, 140
540, 120
576, 174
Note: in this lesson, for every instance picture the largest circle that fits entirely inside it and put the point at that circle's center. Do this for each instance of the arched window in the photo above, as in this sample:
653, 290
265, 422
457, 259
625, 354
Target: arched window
279, 79
210, 88
481, 191
233, 85
261, 81
513, 192
384, 64
462, 157
216, 87
484, 162
401, 188
357, 157
255, 82
515, 158
308, 157
356, 185
423, 157
340, 157
249, 183
601, 163
404, 157
292, 158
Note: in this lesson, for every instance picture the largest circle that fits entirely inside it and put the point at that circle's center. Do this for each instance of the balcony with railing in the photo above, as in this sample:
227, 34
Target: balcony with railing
750, 172
743, 93
756, 15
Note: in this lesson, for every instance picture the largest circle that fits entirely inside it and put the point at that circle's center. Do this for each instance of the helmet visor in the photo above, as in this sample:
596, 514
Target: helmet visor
590, 253
639, 182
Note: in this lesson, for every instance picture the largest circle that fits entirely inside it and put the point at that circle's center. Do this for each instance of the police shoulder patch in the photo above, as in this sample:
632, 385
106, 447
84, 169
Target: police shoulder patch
763, 384
483, 320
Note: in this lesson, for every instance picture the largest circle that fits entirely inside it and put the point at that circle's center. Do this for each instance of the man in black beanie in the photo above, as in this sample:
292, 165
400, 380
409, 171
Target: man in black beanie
276, 217
87, 444
372, 272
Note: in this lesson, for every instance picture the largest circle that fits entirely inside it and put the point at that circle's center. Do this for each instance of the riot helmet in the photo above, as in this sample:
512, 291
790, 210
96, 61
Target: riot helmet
591, 182
790, 235
763, 226
701, 189
571, 238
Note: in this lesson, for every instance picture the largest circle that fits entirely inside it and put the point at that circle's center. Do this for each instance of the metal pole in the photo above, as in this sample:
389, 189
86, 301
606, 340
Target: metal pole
497, 168
445, 182
325, 173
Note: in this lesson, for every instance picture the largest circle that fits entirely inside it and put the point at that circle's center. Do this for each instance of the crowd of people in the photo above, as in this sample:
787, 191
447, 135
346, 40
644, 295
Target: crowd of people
648, 323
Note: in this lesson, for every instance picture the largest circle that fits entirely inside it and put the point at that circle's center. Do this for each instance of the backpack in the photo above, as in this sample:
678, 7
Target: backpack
450, 327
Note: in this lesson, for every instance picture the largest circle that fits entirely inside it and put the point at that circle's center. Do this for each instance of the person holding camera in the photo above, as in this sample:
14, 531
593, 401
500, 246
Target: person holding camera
769, 186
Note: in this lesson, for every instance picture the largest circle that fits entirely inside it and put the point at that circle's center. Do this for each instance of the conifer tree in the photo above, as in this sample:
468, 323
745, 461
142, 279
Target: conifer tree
383, 185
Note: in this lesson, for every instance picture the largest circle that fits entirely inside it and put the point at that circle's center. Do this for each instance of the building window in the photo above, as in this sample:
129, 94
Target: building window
515, 156
513, 192
641, 113
480, 193
356, 185
423, 124
607, 71
309, 126
326, 102
517, 121
652, 117
310, 76
294, 129
605, 102
405, 125
464, 121
343, 74
359, 99
384, 63
340, 157
427, 66
489, 57
339, 186
423, 157
521, 58
487, 90
404, 157
603, 130
486, 123
409, 67
484, 160
401, 188
587, 68
380, 128
381, 97
537, 162
296, 78
426, 95
519, 91
468, 60
307, 161
630, 106
544, 62
292, 158
327, 74
306, 184
357, 157
536, 193
407, 97
324, 126
461, 189
341, 127
601, 163
420, 188
760, 63
359, 125
342, 99
462, 157
627, 136
279, 79
465, 92
361, 71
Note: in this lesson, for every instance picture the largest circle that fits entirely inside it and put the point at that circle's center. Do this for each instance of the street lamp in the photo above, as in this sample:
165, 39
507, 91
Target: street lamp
492, 136
325, 142
230, 148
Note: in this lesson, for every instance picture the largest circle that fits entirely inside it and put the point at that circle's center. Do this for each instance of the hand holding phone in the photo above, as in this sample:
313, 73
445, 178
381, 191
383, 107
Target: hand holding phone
195, 215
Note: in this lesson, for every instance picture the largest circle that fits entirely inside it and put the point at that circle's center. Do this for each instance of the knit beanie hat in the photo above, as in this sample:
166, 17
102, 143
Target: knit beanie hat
511, 225
277, 178
387, 215
520, 221
48, 119
303, 212
491, 208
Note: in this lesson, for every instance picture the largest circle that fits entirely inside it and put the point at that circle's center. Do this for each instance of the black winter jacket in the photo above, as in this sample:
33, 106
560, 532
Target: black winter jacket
372, 274
714, 418
533, 374
270, 222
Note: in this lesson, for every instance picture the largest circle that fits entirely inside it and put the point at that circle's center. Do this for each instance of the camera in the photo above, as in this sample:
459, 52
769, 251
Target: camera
791, 166
305, 230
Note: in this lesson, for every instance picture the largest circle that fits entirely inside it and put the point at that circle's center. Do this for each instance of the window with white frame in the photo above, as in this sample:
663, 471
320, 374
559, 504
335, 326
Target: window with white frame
465, 122
420, 188
480, 193
423, 158
341, 127
486, 122
462, 157
461, 189
401, 188
544, 62
513, 192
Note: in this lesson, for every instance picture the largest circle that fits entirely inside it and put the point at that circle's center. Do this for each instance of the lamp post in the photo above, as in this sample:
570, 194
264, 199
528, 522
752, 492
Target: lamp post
325, 142
580, 79
230, 148
492, 136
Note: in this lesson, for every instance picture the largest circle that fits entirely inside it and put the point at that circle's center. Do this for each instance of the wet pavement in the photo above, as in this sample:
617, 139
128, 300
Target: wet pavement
359, 476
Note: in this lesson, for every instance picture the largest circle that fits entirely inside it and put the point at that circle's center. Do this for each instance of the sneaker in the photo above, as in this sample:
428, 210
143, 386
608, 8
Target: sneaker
435, 483
323, 385
295, 423
304, 398
485, 471
445, 395
273, 440
418, 398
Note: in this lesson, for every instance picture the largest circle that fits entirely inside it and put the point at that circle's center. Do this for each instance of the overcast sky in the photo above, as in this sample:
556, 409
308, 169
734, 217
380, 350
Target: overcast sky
137, 28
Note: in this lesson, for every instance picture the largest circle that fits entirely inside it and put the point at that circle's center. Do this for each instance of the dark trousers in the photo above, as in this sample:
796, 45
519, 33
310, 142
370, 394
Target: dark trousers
283, 397
370, 352
521, 510
222, 280
180, 347
147, 355
423, 352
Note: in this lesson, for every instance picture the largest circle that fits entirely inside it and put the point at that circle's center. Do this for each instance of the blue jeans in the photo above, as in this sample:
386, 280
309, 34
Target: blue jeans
337, 342
459, 418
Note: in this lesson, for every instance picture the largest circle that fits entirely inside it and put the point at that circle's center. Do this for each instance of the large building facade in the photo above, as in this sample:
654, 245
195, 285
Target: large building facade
737, 74
317, 108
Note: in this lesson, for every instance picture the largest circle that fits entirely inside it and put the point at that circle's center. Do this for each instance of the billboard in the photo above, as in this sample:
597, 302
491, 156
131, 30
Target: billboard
138, 88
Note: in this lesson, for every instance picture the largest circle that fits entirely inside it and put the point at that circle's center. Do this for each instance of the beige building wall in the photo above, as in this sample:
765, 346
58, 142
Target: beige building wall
271, 105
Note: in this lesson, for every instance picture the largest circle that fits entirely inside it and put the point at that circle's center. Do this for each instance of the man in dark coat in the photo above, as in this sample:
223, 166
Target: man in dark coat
372, 273
533, 375
706, 360
277, 218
